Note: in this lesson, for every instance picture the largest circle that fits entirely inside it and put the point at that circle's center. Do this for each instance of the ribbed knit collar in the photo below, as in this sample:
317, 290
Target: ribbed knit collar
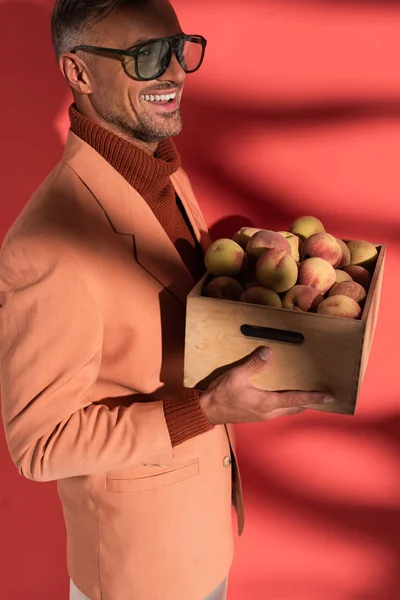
147, 174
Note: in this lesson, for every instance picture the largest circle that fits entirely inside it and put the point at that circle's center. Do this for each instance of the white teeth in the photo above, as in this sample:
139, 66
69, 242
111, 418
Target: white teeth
157, 98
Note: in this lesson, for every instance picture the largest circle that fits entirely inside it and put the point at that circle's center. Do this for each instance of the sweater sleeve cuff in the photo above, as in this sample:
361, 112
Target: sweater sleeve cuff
185, 419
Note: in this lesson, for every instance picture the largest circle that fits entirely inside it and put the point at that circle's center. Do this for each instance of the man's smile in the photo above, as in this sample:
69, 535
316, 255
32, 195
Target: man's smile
165, 102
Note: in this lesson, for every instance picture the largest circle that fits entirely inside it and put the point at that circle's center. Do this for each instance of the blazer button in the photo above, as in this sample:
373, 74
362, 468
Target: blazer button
227, 461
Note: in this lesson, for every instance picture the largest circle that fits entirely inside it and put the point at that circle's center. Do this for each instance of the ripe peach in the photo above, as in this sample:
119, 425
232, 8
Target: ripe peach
302, 298
362, 253
345, 254
224, 288
265, 240
340, 306
224, 257
342, 276
242, 236
323, 245
359, 275
349, 288
317, 273
277, 270
306, 226
294, 242
261, 295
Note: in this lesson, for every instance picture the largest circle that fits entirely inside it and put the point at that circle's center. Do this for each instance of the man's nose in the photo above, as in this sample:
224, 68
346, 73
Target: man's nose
174, 72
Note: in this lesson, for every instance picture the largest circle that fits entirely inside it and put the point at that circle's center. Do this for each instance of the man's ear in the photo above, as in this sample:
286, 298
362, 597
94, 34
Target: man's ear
75, 72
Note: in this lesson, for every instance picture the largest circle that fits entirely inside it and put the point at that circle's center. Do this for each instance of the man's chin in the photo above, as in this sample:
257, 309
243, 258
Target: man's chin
154, 137
154, 130
174, 131
169, 129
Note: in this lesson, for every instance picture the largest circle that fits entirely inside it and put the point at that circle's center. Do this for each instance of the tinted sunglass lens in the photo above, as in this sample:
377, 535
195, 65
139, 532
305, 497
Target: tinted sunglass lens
152, 59
190, 55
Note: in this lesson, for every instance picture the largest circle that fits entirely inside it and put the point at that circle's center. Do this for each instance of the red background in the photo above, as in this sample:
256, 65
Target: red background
296, 111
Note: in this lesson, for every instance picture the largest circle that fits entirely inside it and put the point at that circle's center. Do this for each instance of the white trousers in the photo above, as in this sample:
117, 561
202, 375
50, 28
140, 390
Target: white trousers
218, 594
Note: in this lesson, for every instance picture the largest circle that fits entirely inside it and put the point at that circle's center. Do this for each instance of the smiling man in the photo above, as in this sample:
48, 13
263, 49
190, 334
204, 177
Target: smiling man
141, 100
94, 276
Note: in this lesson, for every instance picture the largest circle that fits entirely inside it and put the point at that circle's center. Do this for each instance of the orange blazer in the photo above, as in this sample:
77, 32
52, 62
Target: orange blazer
92, 330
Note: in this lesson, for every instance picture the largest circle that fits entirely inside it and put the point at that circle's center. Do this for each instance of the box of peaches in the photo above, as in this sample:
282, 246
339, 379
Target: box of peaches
311, 297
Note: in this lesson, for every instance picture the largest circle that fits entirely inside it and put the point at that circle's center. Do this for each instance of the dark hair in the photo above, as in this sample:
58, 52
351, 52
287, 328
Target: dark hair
71, 19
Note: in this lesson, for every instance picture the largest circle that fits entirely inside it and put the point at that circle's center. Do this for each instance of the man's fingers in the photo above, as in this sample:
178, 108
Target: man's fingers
296, 399
256, 361
285, 412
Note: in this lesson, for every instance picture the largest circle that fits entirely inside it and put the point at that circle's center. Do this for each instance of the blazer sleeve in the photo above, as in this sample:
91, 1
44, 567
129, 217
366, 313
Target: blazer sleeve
51, 335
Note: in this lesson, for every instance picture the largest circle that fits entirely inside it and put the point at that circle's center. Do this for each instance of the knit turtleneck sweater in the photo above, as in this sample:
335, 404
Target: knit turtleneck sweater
150, 177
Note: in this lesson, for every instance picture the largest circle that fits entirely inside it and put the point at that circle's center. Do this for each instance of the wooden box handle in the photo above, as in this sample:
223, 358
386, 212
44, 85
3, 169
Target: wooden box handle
274, 335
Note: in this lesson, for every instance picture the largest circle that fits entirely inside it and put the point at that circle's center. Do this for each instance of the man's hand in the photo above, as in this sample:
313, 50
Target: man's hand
232, 398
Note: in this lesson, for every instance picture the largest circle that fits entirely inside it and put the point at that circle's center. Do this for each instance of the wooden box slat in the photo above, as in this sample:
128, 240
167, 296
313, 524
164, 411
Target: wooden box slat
333, 357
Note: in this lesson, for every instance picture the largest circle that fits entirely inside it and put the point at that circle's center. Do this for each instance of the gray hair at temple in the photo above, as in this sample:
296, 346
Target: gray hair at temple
72, 20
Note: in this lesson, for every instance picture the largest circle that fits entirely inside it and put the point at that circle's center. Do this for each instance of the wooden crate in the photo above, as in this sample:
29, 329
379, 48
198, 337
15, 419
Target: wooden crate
310, 351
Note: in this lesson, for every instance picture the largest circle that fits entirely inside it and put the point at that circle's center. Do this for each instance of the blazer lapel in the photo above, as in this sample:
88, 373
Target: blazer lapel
185, 192
129, 214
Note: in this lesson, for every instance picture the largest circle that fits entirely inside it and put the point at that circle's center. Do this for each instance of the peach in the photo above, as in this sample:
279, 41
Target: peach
261, 295
302, 298
306, 226
294, 242
345, 254
349, 288
362, 253
237, 237
242, 236
342, 276
360, 275
340, 306
277, 270
317, 273
224, 288
323, 245
224, 257
265, 240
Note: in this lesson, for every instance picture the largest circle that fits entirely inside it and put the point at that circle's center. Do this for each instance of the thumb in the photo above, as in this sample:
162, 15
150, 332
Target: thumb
257, 360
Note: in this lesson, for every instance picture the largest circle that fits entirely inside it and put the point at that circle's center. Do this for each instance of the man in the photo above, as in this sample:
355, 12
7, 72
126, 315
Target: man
94, 276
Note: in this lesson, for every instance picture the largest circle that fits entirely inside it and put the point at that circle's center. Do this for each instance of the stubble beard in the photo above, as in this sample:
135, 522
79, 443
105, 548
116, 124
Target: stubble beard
146, 129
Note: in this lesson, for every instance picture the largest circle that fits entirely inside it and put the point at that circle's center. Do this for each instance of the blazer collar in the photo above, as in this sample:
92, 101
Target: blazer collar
130, 214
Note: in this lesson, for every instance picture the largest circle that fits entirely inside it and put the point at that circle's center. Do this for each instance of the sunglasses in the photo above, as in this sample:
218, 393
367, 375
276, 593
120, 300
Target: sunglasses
149, 60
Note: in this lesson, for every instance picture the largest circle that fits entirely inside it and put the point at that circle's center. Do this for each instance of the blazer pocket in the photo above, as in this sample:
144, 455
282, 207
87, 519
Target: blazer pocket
151, 482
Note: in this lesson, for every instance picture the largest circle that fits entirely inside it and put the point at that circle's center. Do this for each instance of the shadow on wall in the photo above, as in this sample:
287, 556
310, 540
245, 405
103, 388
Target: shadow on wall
224, 124
375, 523
228, 226
32, 93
